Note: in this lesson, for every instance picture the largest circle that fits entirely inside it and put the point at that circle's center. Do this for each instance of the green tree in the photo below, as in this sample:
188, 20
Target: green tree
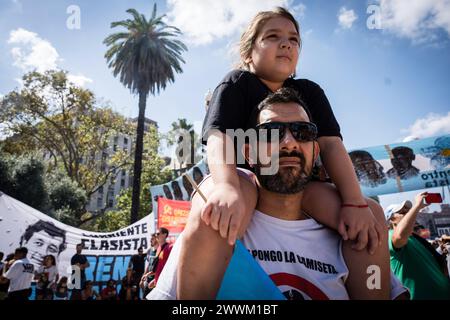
29, 182
53, 193
145, 57
6, 179
51, 114
66, 198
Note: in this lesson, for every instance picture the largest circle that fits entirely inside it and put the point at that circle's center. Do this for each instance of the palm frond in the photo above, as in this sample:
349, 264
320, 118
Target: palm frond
147, 56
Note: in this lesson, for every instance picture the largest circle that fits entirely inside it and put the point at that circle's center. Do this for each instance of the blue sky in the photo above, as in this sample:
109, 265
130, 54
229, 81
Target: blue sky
383, 84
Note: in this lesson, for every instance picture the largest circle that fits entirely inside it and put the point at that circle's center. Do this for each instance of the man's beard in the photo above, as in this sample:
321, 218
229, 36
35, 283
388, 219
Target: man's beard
288, 180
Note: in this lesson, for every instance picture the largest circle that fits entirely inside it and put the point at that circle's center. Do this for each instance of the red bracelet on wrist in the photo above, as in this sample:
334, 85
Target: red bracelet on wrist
354, 205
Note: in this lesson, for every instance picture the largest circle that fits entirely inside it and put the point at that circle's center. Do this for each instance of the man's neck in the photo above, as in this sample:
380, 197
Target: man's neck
281, 206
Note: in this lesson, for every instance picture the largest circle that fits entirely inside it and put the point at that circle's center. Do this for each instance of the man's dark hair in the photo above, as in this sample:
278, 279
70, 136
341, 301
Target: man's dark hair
49, 228
164, 230
283, 95
403, 151
21, 250
360, 154
1, 255
9, 257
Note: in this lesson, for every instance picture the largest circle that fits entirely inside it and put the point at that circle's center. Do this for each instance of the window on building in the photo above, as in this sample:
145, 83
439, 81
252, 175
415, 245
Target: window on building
122, 183
125, 141
110, 203
100, 190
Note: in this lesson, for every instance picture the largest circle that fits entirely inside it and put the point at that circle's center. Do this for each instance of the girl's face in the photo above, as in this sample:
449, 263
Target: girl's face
48, 261
275, 51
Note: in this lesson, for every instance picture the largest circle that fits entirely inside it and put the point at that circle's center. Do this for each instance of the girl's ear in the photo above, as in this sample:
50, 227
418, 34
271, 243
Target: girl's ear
248, 59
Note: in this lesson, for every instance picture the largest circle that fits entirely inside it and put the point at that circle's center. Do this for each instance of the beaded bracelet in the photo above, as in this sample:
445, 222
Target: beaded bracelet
354, 205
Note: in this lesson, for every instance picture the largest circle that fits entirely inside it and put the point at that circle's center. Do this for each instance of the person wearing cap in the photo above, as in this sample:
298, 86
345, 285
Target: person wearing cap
413, 260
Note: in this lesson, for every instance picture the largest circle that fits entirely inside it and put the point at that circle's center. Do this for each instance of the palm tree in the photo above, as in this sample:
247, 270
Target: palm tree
145, 58
181, 129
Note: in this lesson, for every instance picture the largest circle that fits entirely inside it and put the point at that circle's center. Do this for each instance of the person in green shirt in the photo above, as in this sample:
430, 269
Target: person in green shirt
413, 260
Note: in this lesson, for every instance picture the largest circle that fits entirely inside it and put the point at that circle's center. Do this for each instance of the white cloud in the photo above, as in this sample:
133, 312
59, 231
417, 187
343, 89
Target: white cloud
32, 52
417, 20
346, 18
432, 125
79, 80
298, 10
203, 21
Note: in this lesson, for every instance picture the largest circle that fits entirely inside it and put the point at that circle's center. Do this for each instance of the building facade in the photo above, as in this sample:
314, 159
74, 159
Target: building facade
438, 222
105, 197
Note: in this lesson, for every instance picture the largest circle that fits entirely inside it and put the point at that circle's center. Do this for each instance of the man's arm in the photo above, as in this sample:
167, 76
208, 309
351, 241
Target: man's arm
10, 273
85, 265
405, 227
366, 279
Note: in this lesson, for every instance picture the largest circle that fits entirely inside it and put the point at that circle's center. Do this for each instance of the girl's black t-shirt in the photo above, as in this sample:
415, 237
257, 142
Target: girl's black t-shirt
240, 92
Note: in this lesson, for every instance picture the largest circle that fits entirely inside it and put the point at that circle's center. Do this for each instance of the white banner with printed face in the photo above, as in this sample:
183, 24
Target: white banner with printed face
108, 253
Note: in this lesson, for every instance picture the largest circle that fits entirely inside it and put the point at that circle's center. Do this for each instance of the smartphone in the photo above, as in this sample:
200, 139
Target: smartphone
433, 198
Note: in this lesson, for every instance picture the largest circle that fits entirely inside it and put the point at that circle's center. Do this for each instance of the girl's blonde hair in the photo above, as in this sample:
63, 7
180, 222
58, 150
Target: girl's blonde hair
249, 36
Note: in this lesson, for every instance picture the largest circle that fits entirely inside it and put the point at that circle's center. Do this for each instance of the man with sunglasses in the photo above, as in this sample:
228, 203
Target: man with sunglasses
303, 258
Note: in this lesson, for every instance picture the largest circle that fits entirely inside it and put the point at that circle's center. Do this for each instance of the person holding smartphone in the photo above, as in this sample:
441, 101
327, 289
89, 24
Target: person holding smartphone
413, 260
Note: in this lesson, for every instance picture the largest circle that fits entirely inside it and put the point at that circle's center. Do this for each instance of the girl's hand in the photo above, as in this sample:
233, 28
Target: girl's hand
360, 225
224, 211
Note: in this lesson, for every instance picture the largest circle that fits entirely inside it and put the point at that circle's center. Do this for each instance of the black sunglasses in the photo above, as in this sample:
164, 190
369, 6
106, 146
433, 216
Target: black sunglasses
300, 130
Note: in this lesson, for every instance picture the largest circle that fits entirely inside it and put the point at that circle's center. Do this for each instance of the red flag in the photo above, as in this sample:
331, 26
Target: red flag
173, 214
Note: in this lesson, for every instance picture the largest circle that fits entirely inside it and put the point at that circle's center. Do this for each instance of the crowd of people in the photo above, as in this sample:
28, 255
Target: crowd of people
291, 211
18, 275
422, 265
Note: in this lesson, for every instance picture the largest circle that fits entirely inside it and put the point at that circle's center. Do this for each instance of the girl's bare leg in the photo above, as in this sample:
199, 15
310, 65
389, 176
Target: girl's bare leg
204, 253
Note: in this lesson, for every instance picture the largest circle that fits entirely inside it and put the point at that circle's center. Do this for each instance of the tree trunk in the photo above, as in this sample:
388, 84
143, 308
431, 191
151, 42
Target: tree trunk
135, 202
